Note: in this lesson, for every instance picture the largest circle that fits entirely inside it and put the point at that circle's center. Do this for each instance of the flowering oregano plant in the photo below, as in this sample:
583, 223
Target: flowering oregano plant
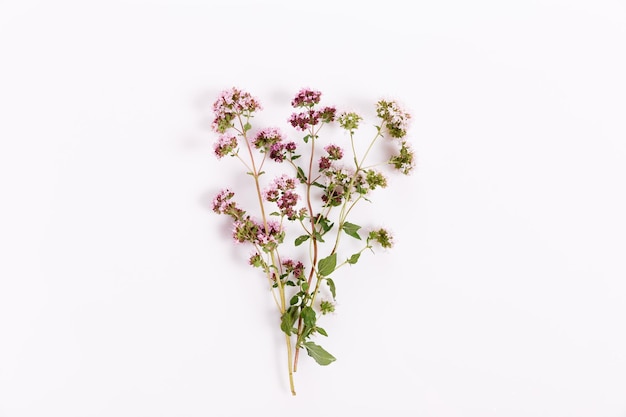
305, 207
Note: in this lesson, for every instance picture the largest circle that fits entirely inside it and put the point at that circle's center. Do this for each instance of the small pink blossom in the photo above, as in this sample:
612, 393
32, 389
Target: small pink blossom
306, 98
324, 163
395, 119
222, 204
229, 104
281, 192
226, 145
334, 152
268, 137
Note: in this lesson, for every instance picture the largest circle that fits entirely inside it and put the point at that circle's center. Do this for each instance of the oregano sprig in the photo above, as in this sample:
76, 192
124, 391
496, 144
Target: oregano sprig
306, 206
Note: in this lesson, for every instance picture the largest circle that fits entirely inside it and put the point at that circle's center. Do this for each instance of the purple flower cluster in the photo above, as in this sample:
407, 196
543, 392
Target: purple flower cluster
225, 145
267, 137
271, 140
306, 98
222, 204
324, 163
334, 152
303, 120
252, 231
297, 268
281, 192
246, 229
230, 104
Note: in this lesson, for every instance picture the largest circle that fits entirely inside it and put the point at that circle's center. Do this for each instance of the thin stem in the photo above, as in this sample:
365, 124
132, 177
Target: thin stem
342, 216
255, 174
309, 182
290, 365
359, 167
282, 307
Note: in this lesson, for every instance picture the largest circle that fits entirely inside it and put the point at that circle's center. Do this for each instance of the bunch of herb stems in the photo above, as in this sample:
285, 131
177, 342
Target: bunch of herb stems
281, 302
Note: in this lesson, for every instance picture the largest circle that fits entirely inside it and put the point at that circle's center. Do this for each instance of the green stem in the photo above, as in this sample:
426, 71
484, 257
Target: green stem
309, 182
343, 214
273, 253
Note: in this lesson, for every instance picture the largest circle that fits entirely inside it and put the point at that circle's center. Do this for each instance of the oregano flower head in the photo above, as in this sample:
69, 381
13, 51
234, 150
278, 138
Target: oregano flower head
226, 145
349, 121
394, 118
306, 98
230, 104
266, 138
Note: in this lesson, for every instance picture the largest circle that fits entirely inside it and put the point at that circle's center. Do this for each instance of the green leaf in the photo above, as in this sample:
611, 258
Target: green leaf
288, 319
308, 316
331, 286
305, 333
301, 176
301, 239
321, 331
325, 223
351, 230
319, 354
354, 258
247, 127
290, 283
306, 138
294, 300
327, 265
318, 237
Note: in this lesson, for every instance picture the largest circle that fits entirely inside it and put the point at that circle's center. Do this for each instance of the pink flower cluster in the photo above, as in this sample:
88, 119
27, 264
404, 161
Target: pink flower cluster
267, 137
281, 192
270, 140
303, 120
297, 268
249, 230
230, 104
324, 163
334, 153
306, 98
395, 119
225, 145
222, 204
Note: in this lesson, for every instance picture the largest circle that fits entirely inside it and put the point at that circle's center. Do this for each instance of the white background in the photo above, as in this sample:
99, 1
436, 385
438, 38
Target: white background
122, 295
